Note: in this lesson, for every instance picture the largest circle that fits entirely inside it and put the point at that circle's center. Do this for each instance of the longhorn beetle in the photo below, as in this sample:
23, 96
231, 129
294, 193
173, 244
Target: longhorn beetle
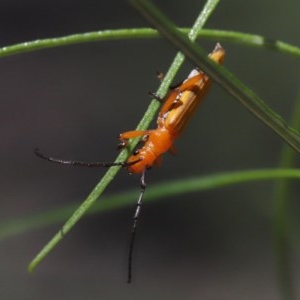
179, 106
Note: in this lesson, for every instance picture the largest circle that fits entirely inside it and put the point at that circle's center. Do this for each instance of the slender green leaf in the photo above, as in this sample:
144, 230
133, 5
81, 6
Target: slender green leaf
155, 193
242, 38
282, 216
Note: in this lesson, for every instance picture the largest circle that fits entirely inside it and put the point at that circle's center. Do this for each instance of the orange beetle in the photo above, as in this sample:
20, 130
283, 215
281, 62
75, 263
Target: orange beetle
174, 115
172, 119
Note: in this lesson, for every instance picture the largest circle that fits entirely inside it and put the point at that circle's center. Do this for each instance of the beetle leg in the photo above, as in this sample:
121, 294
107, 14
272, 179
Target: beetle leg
191, 82
156, 97
169, 104
125, 136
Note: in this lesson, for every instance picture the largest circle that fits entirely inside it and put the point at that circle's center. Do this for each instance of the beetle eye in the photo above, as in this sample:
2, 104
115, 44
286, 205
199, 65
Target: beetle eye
136, 152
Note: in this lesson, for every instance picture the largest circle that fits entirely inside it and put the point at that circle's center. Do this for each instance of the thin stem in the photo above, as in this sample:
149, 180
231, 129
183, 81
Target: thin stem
144, 123
242, 38
281, 216
156, 193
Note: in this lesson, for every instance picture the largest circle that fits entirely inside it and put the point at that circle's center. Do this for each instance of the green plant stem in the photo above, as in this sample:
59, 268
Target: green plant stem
218, 73
281, 215
155, 193
144, 123
246, 39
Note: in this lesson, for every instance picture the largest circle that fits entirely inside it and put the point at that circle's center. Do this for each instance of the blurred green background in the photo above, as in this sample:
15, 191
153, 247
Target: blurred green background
73, 101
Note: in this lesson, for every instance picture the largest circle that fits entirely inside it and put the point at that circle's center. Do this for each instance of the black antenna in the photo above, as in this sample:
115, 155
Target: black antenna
107, 165
134, 225
83, 163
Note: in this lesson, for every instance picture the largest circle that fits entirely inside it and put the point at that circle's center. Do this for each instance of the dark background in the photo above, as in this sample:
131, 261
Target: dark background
73, 101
